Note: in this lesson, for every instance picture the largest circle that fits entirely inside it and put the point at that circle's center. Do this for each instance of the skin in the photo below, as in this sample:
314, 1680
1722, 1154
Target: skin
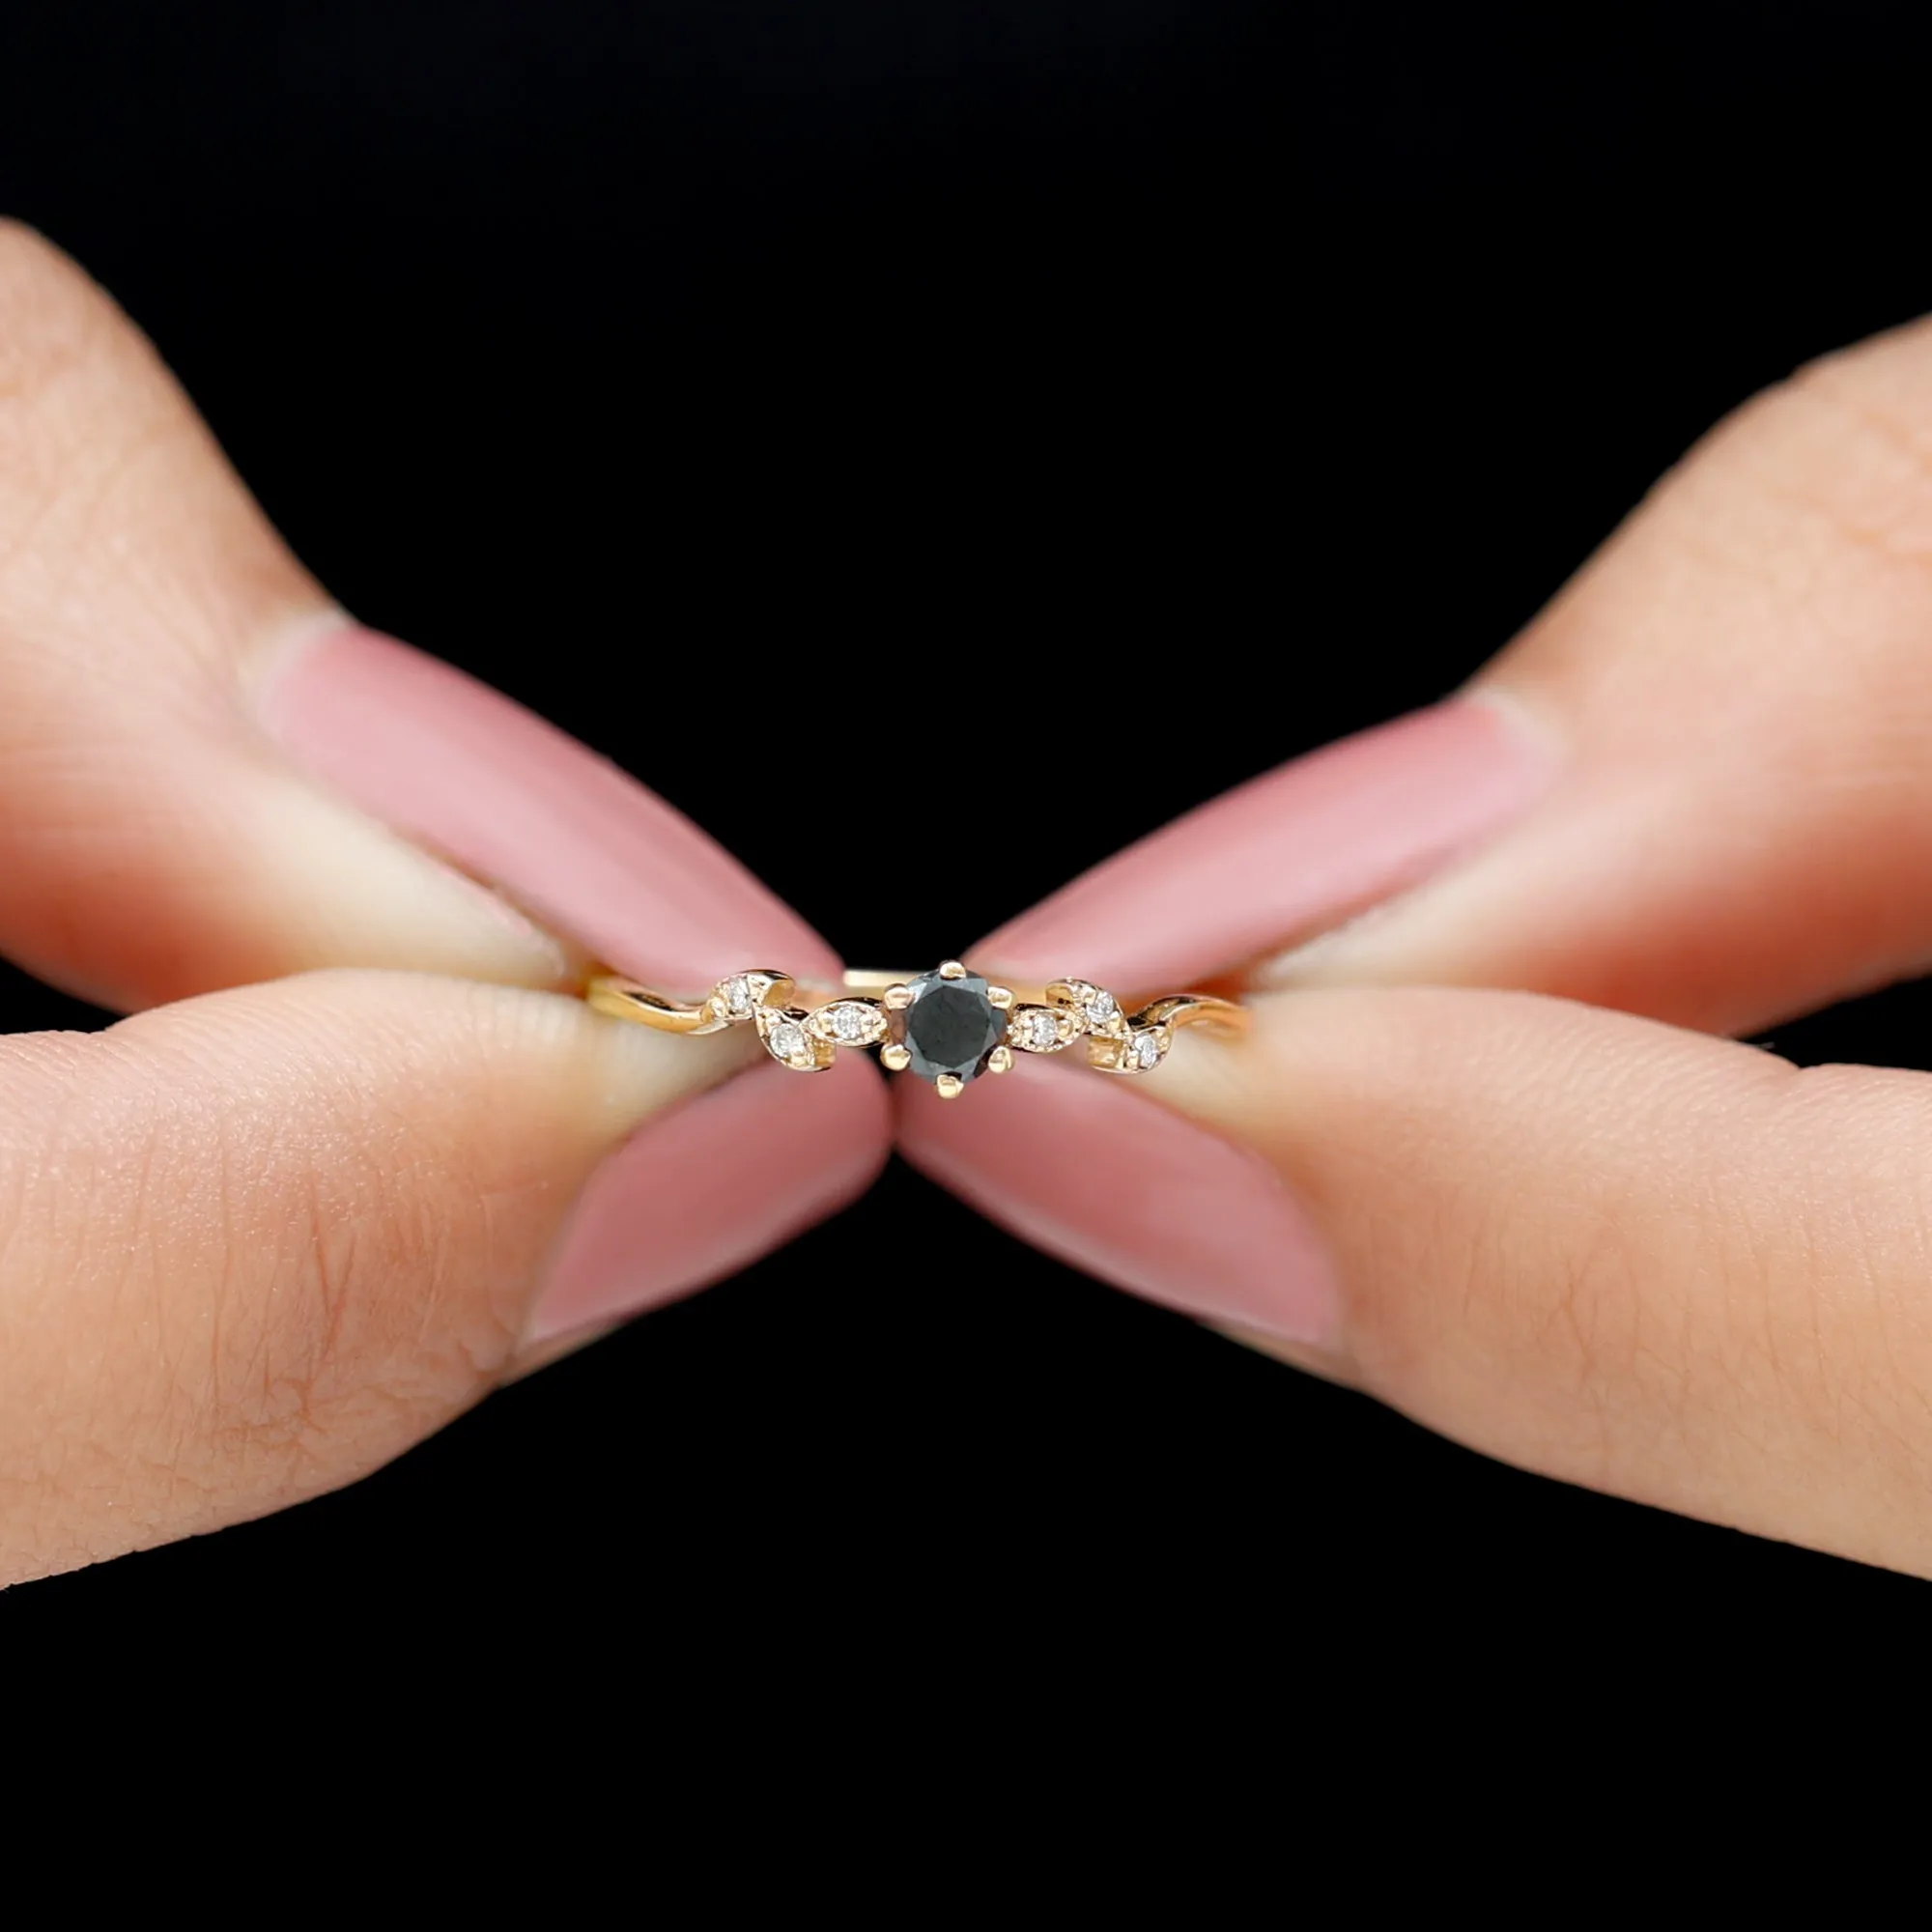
261, 1237
1613, 1248
257, 1242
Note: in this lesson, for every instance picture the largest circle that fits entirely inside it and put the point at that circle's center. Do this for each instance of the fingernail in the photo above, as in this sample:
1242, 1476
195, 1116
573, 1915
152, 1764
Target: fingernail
515, 802
1080, 1165
709, 1186
1304, 847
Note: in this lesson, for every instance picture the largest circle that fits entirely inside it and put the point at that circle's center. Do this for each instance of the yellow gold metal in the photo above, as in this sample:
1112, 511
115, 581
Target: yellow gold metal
898, 997
1180, 1009
861, 980
951, 969
1000, 996
896, 1058
1122, 1052
624, 998
950, 1086
998, 1060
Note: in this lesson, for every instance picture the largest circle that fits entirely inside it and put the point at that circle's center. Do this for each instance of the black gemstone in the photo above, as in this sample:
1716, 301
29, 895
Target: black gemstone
952, 1026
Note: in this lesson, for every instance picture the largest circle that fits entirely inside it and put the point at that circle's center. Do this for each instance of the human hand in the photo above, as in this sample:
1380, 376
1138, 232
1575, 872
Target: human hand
257, 1243
1610, 1248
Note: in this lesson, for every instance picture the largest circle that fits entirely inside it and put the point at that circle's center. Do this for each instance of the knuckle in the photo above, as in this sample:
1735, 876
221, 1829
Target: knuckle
51, 316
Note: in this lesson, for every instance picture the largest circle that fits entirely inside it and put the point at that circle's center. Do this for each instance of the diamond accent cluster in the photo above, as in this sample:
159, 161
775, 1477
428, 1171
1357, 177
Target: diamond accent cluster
1076, 1009
948, 1026
1080, 1010
1094, 1009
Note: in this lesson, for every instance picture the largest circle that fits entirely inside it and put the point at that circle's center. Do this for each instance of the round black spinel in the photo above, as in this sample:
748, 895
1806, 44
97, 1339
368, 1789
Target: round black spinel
952, 1026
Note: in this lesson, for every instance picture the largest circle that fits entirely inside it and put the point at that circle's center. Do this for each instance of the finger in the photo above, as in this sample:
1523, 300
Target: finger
209, 775
1658, 1264
1694, 788
256, 1244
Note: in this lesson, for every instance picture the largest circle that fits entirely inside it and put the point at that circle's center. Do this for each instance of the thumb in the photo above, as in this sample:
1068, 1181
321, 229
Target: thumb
255, 1244
1660, 1263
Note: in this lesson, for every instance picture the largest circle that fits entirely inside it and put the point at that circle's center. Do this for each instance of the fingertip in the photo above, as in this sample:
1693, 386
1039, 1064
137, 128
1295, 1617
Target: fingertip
261, 1241
1297, 850
706, 1188
1118, 1185
543, 819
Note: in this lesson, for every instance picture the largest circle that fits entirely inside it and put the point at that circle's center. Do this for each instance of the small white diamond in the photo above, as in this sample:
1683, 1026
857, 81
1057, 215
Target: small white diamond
1101, 1007
849, 1022
738, 1000
1147, 1049
787, 1040
1039, 1030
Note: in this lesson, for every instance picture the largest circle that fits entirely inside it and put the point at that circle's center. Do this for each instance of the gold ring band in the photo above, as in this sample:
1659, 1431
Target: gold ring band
948, 1026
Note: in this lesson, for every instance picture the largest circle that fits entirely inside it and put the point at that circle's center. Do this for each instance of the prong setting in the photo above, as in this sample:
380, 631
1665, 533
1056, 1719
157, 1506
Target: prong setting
952, 1026
948, 1086
1000, 1060
896, 1058
898, 998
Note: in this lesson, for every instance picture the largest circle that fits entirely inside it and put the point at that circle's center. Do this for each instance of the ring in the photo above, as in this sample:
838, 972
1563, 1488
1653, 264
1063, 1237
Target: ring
948, 1026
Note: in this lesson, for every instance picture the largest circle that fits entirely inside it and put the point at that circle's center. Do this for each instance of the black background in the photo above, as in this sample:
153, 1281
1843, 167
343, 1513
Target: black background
955, 342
